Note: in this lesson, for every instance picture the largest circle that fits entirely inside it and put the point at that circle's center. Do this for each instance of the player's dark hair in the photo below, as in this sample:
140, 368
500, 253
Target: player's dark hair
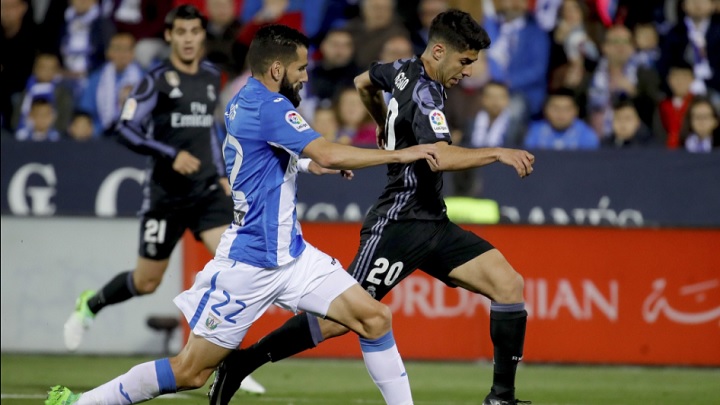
458, 30
184, 12
274, 42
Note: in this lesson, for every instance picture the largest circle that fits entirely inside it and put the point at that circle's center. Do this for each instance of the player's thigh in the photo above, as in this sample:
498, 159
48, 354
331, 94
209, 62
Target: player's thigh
211, 217
227, 297
492, 275
390, 251
148, 274
195, 363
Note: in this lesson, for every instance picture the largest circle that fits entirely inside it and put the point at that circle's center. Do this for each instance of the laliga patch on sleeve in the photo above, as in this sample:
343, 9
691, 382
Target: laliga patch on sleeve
128, 111
438, 123
296, 121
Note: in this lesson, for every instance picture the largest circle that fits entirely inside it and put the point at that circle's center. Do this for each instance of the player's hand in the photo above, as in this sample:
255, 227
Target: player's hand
428, 152
521, 160
225, 184
185, 163
316, 169
380, 137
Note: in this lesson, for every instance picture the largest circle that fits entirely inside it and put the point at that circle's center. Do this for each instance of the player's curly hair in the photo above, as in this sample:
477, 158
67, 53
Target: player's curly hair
184, 12
274, 42
458, 30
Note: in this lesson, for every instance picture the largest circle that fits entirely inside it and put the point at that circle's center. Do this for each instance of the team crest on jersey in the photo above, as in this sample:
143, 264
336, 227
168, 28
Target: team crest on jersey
128, 111
232, 112
172, 78
212, 322
438, 122
211, 92
371, 290
296, 121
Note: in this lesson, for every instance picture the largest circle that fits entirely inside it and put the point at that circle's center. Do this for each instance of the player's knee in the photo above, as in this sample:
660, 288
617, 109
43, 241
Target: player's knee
379, 323
147, 285
511, 291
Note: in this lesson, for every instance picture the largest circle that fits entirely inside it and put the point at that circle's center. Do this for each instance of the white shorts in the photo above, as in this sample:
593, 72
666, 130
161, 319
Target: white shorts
228, 296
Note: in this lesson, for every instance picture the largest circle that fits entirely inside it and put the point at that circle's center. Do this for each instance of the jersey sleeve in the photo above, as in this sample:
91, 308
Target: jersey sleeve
134, 125
286, 127
383, 75
429, 122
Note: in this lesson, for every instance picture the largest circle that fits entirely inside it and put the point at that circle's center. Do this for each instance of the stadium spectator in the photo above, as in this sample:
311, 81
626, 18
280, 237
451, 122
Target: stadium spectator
570, 40
627, 129
427, 10
489, 126
308, 15
647, 43
41, 123
671, 111
145, 20
561, 129
18, 53
45, 83
702, 127
376, 24
223, 27
81, 127
355, 124
87, 34
325, 121
696, 39
336, 68
397, 47
257, 14
521, 50
619, 75
109, 85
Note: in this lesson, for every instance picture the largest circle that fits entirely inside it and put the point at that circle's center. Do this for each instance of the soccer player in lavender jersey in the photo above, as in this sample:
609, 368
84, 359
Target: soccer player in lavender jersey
408, 228
262, 258
169, 118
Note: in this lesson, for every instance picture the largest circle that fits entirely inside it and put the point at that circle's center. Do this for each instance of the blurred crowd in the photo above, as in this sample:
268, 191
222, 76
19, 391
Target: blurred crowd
560, 74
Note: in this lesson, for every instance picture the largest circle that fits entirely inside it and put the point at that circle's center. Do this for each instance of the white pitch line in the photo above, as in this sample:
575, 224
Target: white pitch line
39, 396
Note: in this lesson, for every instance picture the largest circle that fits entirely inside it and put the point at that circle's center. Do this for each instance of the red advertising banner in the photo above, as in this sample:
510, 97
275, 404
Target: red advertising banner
594, 295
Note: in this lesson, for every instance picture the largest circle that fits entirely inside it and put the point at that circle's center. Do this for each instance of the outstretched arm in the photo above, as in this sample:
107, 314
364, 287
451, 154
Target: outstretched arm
336, 156
459, 158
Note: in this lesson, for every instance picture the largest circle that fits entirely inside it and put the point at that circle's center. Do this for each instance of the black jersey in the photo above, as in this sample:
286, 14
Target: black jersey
415, 116
171, 111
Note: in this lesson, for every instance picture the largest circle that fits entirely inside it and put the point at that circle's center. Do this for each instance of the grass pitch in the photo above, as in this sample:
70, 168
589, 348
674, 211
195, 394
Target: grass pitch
25, 379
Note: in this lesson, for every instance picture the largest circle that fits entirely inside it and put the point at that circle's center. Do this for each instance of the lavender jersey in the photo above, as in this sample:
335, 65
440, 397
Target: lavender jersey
171, 111
415, 116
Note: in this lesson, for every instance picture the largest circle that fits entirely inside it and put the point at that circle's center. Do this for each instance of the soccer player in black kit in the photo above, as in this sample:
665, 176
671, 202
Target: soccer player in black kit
407, 228
169, 117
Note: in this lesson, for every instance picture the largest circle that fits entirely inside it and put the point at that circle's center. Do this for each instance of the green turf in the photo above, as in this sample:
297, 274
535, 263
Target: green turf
24, 380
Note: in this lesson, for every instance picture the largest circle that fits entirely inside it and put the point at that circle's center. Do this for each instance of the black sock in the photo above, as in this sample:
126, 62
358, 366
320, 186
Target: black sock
119, 289
299, 333
507, 331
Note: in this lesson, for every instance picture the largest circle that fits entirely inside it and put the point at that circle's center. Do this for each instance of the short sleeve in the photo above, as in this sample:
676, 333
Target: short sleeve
383, 75
286, 128
429, 122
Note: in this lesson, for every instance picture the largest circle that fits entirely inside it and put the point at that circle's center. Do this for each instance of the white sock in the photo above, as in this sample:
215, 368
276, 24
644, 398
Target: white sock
142, 383
386, 368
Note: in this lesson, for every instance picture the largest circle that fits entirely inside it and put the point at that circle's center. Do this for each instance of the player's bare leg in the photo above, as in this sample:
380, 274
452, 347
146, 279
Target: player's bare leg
190, 369
211, 240
490, 274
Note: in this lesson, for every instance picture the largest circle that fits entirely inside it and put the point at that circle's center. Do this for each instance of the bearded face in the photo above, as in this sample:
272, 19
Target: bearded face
290, 91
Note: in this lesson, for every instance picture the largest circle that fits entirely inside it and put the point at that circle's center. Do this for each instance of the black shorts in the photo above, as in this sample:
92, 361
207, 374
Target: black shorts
391, 250
161, 226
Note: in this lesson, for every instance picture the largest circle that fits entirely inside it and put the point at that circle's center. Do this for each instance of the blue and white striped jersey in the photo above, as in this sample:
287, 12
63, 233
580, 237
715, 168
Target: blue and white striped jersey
264, 140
